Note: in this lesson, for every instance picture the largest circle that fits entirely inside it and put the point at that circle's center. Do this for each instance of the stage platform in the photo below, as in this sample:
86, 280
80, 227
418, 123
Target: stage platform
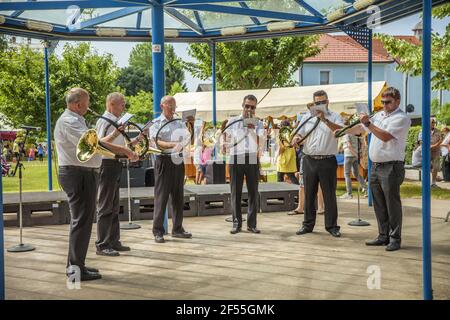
276, 264
47, 208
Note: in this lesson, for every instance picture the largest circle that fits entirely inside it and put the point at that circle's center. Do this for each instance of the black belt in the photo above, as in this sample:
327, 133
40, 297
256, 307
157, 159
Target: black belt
320, 157
376, 164
89, 169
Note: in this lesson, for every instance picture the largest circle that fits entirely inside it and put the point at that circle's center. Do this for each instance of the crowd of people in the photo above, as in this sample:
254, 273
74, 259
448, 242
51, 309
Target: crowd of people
12, 151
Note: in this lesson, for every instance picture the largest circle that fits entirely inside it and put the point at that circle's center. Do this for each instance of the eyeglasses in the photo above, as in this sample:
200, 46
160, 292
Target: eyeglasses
386, 101
318, 103
249, 106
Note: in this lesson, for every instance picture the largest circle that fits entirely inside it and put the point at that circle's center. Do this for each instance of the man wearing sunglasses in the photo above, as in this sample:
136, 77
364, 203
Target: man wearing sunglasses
320, 164
389, 129
243, 143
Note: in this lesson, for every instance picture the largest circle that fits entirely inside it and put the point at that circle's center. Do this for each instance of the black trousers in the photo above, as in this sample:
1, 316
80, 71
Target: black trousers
239, 167
80, 185
385, 181
291, 175
108, 225
169, 182
321, 171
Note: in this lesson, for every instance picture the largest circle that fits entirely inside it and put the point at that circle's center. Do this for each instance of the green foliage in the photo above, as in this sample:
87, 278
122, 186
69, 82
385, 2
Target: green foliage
253, 64
3, 43
410, 56
138, 76
176, 88
442, 113
22, 86
411, 140
141, 106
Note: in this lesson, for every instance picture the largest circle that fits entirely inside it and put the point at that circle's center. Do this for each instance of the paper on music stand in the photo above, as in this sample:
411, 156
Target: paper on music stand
253, 121
188, 115
316, 108
125, 118
362, 108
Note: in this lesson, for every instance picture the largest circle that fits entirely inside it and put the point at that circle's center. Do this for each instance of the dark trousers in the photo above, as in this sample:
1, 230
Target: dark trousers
321, 171
108, 225
291, 175
385, 181
169, 181
80, 185
240, 167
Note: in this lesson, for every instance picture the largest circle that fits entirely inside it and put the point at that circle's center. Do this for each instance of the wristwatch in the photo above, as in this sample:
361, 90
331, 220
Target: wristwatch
367, 124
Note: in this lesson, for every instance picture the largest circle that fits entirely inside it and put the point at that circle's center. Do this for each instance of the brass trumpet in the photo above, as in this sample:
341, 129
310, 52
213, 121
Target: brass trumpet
89, 144
353, 123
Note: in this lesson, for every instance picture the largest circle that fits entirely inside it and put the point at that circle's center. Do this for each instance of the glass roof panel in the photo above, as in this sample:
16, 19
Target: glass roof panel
50, 16
124, 22
212, 20
326, 6
6, 13
289, 6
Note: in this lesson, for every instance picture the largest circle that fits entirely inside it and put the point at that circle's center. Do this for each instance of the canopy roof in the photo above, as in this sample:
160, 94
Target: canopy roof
191, 20
279, 101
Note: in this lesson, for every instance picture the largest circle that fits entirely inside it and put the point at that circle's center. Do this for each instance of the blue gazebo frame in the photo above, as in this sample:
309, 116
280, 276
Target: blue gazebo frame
351, 21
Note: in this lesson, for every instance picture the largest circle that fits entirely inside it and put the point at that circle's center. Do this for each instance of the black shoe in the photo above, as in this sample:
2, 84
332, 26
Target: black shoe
253, 230
91, 269
159, 239
303, 230
335, 233
120, 247
108, 252
184, 234
89, 275
235, 230
393, 246
377, 242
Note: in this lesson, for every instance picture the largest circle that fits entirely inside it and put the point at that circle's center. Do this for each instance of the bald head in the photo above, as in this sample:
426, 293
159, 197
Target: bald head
77, 100
115, 103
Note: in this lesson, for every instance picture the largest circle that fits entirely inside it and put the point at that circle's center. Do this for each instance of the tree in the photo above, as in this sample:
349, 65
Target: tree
141, 105
138, 75
410, 55
3, 43
442, 113
22, 85
253, 64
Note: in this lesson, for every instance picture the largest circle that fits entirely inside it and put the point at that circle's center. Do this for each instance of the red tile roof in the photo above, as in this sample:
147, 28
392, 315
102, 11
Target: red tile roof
342, 48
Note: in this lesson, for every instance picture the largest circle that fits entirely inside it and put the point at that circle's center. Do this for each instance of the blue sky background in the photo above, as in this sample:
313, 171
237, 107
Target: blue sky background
121, 50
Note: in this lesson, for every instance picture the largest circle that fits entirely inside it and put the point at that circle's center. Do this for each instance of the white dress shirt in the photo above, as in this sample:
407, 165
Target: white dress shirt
321, 142
68, 130
236, 132
397, 124
175, 131
104, 128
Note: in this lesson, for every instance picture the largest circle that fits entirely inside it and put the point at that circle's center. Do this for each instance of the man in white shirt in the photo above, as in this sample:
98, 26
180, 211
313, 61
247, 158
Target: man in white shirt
320, 165
244, 141
169, 170
389, 130
79, 180
108, 225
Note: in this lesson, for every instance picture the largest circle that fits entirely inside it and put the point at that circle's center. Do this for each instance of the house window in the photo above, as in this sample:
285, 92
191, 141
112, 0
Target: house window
360, 75
325, 77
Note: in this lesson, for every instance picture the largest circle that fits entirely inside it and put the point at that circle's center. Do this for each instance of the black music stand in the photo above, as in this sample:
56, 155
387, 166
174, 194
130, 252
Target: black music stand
130, 225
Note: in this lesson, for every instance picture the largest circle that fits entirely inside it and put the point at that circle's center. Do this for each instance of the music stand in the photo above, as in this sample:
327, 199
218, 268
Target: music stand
130, 225
21, 247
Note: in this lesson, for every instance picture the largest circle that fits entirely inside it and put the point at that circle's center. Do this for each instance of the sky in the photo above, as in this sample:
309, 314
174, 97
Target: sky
121, 50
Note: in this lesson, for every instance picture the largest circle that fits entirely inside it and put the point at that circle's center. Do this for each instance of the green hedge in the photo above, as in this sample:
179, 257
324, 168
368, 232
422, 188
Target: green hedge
410, 142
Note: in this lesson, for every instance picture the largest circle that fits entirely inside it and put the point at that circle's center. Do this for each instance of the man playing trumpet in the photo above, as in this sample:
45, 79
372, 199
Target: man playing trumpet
389, 129
79, 180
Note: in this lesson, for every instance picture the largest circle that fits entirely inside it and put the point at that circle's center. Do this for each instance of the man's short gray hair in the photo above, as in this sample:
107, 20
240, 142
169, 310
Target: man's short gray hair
166, 98
114, 96
75, 95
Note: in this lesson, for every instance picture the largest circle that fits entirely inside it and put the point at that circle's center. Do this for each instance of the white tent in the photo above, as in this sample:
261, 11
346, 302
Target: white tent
279, 102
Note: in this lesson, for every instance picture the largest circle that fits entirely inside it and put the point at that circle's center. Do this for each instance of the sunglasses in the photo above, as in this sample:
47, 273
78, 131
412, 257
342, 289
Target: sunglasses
249, 106
386, 101
318, 103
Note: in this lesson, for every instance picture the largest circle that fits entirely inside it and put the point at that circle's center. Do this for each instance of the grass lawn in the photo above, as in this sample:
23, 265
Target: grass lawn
35, 179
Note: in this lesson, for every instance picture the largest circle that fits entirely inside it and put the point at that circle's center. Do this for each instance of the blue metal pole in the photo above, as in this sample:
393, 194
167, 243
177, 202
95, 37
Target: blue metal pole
48, 121
369, 103
158, 67
214, 88
2, 252
426, 101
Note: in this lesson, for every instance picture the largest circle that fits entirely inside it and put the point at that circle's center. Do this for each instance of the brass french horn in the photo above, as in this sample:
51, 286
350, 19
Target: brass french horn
89, 145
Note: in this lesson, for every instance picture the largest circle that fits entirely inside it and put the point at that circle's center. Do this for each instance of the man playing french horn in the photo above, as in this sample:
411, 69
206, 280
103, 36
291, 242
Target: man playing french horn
319, 163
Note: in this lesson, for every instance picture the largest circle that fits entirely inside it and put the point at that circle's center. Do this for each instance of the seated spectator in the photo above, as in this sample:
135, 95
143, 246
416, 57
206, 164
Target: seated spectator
416, 160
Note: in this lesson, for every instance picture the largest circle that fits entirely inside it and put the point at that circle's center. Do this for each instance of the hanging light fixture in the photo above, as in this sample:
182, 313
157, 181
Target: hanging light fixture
335, 15
278, 26
111, 32
171, 33
361, 4
233, 31
2, 19
38, 25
